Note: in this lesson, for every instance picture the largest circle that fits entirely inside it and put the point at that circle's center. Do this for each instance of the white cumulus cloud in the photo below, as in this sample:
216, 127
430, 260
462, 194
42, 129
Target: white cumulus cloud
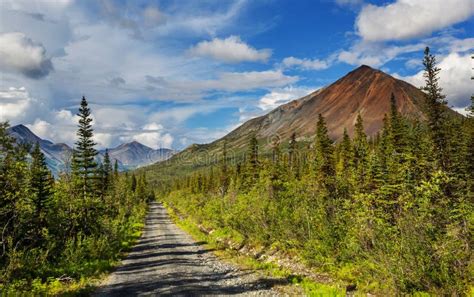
281, 96
232, 50
154, 136
60, 126
14, 103
405, 19
18, 53
455, 79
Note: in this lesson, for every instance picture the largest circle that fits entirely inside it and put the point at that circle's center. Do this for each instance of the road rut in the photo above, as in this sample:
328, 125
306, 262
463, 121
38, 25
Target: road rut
167, 261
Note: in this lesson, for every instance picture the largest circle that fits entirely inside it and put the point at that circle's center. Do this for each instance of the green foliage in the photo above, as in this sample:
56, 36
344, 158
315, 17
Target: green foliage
41, 184
392, 214
55, 235
83, 161
436, 109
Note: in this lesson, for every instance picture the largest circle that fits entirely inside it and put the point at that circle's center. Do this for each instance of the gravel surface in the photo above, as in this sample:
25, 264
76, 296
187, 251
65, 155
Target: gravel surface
167, 261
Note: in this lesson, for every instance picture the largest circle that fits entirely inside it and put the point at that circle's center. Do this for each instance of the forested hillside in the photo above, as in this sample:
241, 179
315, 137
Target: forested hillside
55, 234
391, 213
364, 91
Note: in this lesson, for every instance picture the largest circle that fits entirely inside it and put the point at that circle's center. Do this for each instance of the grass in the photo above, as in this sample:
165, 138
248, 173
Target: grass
214, 241
93, 272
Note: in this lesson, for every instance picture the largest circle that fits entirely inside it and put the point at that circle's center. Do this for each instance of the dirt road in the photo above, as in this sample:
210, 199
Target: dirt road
166, 261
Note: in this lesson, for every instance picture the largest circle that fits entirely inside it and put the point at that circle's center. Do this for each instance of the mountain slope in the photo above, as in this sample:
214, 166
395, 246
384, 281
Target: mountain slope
58, 155
364, 90
135, 154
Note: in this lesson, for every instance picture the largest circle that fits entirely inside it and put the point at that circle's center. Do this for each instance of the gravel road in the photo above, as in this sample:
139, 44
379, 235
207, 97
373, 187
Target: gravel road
167, 261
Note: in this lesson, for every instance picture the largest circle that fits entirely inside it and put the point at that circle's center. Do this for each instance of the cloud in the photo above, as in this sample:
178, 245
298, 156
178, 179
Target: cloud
54, 32
15, 103
376, 54
406, 19
281, 96
103, 140
38, 8
117, 81
349, 2
191, 17
226, 81
178, 115
237, 81
306, 64
232, 50
455, 79
153, 16
19, 53
153, 136
60, 127
268, 102
459, 45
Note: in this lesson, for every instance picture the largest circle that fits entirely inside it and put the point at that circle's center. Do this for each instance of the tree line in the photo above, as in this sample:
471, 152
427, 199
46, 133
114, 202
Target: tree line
391, 213
68, 228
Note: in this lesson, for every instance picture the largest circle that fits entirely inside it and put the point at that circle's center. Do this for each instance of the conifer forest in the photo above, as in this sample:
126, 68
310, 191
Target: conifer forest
389, 213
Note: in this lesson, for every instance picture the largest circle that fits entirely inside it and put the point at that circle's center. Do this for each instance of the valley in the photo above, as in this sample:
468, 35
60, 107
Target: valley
237, 147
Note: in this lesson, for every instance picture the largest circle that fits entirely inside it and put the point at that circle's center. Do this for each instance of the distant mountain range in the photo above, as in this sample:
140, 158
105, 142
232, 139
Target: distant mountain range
134, 154
365, 91
58, 155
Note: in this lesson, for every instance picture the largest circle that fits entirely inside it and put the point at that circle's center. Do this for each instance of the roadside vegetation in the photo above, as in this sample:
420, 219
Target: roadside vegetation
58, 235
391, 214
225, 242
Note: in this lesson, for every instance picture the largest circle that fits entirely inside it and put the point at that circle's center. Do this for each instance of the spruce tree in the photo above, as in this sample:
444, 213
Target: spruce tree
361, 152
84, 165
346, 153
116, 170
133, 183
436, 109
41, 186
106, 174
13, 190
324, 150
224, 170
292, 150
253, 155
396, 126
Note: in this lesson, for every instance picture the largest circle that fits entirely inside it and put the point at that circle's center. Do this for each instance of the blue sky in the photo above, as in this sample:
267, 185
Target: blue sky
172, 73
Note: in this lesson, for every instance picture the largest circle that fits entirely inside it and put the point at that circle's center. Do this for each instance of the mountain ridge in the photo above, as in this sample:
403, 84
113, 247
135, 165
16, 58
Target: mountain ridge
128, 155
364, 90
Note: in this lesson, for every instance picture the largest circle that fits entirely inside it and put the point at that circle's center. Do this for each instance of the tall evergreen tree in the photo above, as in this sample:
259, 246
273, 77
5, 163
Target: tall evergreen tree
133, 182
13, 189
361, 152
225, 179
116, 170
396, 126
324, 150
292, 150
84, 165
346, 154
437, 106
106, 173
41, 186
253, 155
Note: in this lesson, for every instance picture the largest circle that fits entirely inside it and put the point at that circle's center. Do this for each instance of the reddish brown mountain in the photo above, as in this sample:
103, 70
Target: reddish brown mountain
364, 90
